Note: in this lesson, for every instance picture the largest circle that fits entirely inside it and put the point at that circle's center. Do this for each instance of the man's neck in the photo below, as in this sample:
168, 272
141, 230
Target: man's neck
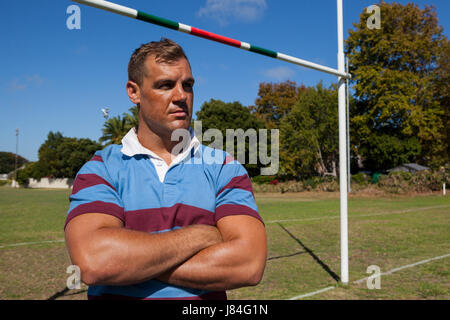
160, 143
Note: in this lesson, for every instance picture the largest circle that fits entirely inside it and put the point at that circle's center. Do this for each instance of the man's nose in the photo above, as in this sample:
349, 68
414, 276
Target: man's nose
180, 94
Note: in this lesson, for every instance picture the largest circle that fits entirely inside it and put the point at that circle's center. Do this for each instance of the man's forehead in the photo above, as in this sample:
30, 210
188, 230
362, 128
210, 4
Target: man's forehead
152, 64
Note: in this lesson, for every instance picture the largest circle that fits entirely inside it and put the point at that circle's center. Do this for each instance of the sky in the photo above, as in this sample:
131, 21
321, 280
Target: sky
56, 79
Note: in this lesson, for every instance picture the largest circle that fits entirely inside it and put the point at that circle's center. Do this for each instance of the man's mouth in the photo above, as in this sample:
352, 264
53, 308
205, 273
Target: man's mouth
179, 113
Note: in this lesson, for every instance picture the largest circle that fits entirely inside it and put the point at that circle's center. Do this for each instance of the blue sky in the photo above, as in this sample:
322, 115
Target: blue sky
56, 79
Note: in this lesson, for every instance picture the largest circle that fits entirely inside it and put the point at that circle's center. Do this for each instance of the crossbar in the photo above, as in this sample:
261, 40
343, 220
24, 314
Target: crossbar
139, 15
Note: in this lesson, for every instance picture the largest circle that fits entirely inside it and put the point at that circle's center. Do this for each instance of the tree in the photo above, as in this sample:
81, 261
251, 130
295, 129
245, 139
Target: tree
132, 118
62, 157
74, 153
394, 77
216, 114
275, 101
8, 162
309, 134
115, 128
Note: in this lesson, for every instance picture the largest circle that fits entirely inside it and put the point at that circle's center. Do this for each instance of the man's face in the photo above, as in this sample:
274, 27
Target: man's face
166, 96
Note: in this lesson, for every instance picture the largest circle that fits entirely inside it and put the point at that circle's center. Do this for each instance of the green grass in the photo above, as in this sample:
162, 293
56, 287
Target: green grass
29, 215
303, 242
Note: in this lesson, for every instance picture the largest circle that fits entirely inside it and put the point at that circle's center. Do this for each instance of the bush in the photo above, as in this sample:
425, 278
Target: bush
4, 182
395, 182
263, 179
423, 181
328, 184
360, 179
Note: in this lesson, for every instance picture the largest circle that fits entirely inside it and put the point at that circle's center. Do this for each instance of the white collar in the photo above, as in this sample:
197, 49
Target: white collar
131, 146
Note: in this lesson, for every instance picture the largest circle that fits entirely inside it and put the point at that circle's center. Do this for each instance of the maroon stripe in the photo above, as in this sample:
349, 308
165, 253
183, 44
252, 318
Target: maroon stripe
96, 158
228, 159
158, 219
216, 295
87, 180
96, 207
234, 210
241, 182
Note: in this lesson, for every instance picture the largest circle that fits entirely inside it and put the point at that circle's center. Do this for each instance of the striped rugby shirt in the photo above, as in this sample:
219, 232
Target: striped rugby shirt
201, 186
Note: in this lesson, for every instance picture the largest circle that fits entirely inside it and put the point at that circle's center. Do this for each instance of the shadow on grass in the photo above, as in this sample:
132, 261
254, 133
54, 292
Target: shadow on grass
311, 253
63, 293
286, 256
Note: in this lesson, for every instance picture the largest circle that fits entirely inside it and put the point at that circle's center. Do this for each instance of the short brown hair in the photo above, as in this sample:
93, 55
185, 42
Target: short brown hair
165, 51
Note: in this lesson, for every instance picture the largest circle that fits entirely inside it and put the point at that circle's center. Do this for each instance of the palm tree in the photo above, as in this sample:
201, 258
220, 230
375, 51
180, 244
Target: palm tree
114, 129
132, 118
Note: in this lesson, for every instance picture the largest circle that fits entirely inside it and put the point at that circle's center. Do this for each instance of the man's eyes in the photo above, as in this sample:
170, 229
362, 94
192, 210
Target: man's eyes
170, 85
166, 85
188, 86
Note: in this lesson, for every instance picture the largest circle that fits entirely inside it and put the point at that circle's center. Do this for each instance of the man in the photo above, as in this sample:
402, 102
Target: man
146, 222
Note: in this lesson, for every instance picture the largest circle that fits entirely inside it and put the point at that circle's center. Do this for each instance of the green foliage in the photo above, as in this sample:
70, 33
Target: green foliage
4, 182
422, 181
59, 157
115, 128
360, 179
325, 184
385, 152
7, 162
263, 179
216, 114
36, 170
309, 134
399, 77
275, 101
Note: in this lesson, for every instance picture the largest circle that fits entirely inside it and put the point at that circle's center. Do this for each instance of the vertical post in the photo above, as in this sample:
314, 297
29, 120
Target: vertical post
349, 171
342, 148
15, 163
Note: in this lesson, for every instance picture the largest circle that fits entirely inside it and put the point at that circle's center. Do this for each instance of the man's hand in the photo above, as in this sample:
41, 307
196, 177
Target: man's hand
109, 254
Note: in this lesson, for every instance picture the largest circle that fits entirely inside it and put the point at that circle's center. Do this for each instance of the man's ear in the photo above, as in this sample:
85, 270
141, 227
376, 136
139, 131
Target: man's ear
134, 92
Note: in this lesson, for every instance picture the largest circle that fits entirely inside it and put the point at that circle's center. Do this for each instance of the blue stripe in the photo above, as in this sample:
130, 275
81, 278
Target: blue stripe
98, 168
237, 196
149, 289
98, 192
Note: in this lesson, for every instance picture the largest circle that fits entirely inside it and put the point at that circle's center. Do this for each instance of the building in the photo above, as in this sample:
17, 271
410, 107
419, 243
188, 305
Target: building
409, 167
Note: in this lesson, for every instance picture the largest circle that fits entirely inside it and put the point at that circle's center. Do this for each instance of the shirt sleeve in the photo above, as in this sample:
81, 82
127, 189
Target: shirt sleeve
235, 193
93, 191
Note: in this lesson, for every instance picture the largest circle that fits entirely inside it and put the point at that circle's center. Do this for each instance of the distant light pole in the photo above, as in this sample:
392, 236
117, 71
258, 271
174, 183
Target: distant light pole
17, 151
349, 172
105, 112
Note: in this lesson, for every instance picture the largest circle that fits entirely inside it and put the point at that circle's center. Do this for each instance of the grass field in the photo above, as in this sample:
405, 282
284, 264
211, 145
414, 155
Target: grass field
303, 241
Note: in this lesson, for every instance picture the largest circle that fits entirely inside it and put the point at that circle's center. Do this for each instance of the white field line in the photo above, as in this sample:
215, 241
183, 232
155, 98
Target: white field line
312, 293
365, 279
404, 267
361, 215
29, 243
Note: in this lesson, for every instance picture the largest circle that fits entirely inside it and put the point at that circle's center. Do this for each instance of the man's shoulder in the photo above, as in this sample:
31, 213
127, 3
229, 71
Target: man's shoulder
109, 157
220, 162
109, 153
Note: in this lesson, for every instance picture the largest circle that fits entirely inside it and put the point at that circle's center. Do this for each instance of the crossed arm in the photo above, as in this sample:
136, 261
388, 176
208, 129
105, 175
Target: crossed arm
223, 257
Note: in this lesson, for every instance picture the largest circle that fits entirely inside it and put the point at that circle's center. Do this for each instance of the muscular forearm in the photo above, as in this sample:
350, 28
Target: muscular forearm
119, 256
224, 266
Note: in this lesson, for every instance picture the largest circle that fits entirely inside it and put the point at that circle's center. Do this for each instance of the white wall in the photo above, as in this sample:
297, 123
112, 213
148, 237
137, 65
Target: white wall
63, 183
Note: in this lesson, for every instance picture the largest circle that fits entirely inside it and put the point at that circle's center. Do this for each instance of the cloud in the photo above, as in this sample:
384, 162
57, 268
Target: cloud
279, 73
26, 82
224, 10
16, 85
